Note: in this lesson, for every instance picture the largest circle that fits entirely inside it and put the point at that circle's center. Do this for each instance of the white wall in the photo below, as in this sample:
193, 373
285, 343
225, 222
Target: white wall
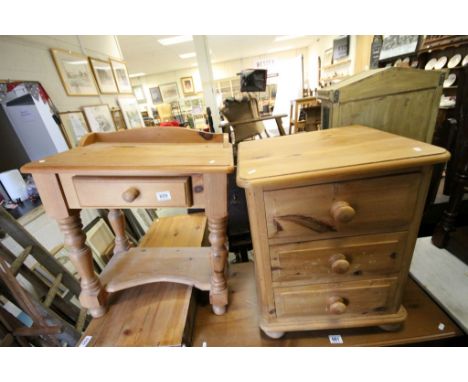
227, 69
29, 58
318, 48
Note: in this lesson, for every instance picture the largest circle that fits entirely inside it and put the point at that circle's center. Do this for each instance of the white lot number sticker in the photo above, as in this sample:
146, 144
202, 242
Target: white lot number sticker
335, 339
163, 196
85, 341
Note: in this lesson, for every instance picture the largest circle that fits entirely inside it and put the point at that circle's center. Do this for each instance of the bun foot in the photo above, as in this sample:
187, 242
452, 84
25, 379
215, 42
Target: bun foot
390, 327
97, 312
272, 334
219, 310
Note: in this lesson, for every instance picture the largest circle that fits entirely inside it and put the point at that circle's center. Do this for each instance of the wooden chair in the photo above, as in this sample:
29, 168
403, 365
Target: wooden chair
244, 121
305, 115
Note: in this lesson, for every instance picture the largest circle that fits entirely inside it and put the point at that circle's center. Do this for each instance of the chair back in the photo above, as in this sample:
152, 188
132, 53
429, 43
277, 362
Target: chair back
165, 112
244, 109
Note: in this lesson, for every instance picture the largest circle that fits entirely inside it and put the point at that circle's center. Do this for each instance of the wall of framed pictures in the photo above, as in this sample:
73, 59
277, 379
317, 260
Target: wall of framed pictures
19, 49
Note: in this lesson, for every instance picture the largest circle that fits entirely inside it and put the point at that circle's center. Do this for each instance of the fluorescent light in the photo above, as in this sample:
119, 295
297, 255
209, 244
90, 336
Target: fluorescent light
174, 40
136, 75
280, 49
187, 55
286, 38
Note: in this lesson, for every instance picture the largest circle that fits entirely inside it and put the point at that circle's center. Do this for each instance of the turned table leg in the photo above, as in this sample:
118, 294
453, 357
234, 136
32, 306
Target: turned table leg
215, 186
219, 253
93, 295
117, 221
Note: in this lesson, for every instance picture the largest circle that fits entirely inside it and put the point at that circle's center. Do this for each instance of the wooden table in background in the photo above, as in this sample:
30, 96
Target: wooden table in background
239, 326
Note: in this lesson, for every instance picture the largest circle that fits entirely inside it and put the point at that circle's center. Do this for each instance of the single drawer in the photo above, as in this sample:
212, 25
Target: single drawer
336, 260
126, 192
336, 300
384, 204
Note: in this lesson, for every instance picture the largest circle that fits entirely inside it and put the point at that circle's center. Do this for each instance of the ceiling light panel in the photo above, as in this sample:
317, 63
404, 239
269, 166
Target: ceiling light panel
174, 40
187, 55
286, 38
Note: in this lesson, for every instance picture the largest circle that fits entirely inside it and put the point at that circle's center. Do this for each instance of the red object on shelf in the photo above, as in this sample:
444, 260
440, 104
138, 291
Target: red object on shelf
169, 124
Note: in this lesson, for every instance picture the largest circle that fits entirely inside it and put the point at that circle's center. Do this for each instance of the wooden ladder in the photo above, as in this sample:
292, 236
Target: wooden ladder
49, 302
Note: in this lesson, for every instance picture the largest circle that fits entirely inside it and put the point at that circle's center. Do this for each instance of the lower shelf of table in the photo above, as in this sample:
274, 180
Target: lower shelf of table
138, 266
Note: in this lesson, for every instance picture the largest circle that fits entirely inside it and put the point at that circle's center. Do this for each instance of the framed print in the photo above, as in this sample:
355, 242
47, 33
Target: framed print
130, 112
139, 94
398, 45
156, 96
121, 76
74, 127
169, 92
118, 119
99, 118
340, 48
187, 85
104, 77
75, 72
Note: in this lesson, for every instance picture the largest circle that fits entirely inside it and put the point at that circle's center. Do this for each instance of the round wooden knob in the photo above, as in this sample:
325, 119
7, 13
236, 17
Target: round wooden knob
336, 305
342, 212
131, 194
339, 264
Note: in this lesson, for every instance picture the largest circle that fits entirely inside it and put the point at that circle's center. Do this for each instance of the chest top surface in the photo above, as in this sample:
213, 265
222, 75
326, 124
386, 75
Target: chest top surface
332, 152
157, 157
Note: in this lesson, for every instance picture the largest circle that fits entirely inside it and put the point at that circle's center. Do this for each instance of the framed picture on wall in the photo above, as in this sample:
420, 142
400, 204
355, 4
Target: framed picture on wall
187, 85
156, 96
104, 77
118, 119
99, 118
139, 94
398, 45
130, 112
74, 127
121, 76
169, 92
75, 73
340, 48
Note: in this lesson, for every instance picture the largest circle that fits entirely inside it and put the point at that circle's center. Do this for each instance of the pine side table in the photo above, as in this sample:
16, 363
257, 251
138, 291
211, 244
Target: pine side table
334, 216
144, 168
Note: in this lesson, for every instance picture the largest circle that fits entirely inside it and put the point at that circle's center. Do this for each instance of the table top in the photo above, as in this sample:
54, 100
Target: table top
331, 152
140, 157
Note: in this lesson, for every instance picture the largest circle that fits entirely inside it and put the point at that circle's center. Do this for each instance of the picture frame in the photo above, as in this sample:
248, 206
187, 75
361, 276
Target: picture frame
398, 45
169, 92
156, 96
104, 76
143, 218
130, 112
139, 94
75, 73
121, 76
188, 88
118, 119
100, 239
340, 48
99, 118
74, 127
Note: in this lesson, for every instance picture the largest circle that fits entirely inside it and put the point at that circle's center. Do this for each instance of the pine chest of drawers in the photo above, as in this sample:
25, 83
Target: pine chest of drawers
334, 216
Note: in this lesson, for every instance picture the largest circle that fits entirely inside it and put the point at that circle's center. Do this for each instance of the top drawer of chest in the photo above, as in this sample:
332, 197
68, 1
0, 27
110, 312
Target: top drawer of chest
382, 204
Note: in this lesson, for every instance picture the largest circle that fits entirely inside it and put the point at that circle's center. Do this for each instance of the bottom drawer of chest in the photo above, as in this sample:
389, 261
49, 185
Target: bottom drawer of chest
333, 300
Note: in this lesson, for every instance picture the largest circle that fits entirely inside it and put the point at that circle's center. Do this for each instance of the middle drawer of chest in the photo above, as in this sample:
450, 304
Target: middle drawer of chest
336, 260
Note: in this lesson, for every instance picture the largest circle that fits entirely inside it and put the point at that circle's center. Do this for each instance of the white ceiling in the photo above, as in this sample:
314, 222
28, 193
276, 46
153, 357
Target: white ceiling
144, 54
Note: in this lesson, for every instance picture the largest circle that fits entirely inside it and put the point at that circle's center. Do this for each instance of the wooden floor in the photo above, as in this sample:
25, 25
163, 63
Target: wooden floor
444, 277
238, 327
